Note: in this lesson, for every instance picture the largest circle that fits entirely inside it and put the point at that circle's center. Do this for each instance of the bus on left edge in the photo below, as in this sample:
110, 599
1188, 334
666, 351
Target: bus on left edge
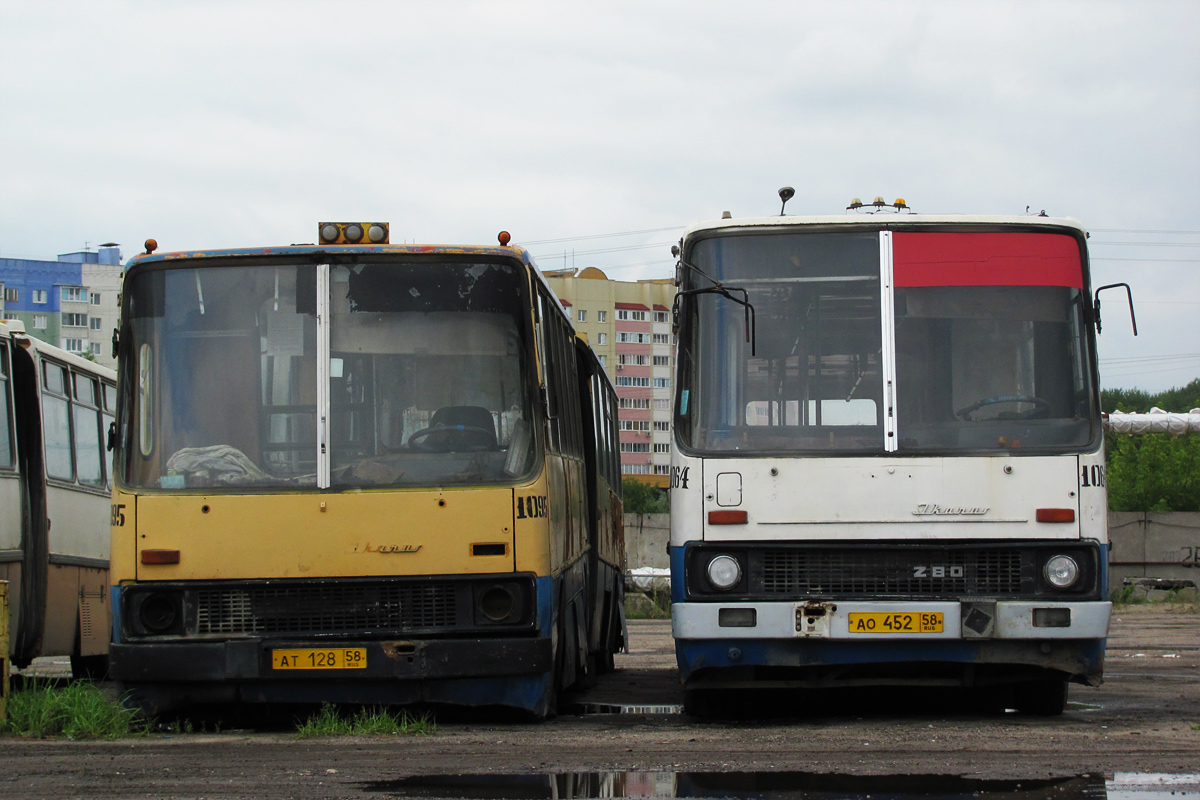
55, 481
360, 472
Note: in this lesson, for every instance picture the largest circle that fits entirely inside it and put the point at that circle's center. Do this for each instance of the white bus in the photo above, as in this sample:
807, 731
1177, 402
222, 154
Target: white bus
889, 464
55, 487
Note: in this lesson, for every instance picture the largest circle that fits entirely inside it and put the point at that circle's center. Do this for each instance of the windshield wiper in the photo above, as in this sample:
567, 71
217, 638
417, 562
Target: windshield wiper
716, 288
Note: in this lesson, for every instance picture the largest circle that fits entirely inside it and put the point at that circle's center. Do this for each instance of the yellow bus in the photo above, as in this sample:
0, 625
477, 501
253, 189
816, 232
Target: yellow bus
360, 472
54, 489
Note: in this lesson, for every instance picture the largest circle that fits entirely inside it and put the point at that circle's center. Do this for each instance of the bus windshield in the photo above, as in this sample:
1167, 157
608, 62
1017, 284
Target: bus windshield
988, 345
422, 380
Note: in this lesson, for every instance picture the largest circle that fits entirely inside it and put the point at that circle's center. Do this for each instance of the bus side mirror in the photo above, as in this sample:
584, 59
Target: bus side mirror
1096, 305
112, 436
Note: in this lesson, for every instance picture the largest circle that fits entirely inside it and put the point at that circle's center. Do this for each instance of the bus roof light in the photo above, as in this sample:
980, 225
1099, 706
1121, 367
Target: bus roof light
900, 203
785, 194
353, 232
855, 203
151, 246
504, 237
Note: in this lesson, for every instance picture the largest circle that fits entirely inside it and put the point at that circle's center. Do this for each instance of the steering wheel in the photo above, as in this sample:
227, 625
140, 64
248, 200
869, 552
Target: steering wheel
1041, 408
471, 439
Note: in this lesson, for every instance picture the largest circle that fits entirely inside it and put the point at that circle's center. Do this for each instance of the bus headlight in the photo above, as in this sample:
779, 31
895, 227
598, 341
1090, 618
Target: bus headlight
497, 603
724, 572
1061, 571
159, 613
502, 603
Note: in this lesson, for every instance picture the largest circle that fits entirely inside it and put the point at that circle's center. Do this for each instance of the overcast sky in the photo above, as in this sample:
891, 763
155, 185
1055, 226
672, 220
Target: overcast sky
219, 124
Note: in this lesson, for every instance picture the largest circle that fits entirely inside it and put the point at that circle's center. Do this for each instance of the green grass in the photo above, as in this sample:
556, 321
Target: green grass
76, 711
1125, 596
659, 606
329, 721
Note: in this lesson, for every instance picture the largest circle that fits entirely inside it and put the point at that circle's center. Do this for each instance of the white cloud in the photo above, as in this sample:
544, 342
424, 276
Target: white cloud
210, 124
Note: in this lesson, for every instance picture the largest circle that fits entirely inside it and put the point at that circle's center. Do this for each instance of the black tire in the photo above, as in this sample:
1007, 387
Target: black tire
698, 703
1044, 698
89, 668
727, 704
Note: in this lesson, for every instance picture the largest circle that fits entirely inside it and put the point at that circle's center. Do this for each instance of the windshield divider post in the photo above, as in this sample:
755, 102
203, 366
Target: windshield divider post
887, 319
323, 376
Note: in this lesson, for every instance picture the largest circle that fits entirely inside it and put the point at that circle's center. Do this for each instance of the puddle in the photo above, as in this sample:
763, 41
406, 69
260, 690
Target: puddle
1152, 786
1083, 707
787, 786
588, 709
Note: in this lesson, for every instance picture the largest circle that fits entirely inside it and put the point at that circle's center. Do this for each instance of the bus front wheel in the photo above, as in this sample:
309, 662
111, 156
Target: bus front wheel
1044, 698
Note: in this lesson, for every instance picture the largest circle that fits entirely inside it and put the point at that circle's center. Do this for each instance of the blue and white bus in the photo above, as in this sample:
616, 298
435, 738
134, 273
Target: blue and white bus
55, 480
889, 463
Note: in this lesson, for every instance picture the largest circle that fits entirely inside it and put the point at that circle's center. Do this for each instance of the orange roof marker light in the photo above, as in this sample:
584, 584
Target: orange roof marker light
151, 246
504, 237
353, 232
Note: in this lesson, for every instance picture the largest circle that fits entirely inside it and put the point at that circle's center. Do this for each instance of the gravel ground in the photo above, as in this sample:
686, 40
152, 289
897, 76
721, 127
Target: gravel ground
1144, 719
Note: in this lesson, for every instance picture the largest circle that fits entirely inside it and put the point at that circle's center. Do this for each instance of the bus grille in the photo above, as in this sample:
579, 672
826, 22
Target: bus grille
326, 608
874, 572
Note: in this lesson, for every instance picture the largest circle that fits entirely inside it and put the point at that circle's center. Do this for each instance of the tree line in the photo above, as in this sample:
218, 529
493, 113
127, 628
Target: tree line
1153, 472
1157, 471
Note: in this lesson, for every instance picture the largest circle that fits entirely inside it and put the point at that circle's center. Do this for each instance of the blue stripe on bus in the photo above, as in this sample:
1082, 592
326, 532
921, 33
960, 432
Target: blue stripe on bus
116, 613
678, 593
696, 655
544, 586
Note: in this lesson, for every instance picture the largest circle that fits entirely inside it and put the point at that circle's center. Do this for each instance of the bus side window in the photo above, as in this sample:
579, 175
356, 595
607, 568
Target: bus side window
56, 422
85, 414
145, 400
6, 414
108, 418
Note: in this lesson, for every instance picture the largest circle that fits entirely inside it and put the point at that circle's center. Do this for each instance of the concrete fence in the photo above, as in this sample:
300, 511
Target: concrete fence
1153, 551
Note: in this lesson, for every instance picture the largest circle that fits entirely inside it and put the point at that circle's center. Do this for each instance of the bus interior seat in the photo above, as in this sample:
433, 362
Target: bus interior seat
469, 416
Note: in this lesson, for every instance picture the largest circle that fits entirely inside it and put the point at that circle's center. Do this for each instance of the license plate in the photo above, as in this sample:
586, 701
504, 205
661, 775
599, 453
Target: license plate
896, 622
323, 658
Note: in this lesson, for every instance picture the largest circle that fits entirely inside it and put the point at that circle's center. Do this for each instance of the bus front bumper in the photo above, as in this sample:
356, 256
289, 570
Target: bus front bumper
1065, 637
250, 660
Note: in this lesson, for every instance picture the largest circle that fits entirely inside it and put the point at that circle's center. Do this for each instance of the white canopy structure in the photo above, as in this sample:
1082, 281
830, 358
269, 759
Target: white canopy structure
1157, 421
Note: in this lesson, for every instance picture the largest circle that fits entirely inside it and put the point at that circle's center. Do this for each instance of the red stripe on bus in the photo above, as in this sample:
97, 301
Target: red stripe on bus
986, 259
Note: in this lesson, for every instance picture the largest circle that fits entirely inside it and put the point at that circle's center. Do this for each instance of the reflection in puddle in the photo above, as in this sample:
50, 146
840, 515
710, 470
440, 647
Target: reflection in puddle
1153, 785
788, 786
588, 709
1083, 707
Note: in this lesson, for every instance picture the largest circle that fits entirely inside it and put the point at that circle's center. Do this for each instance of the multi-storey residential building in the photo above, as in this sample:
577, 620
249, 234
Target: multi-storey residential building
628, 324
72, 303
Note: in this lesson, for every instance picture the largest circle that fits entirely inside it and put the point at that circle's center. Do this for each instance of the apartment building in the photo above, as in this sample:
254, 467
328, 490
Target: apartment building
71, 302
628, 324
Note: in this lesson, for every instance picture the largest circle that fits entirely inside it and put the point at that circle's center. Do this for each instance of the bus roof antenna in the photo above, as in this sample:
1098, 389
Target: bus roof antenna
785, 194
